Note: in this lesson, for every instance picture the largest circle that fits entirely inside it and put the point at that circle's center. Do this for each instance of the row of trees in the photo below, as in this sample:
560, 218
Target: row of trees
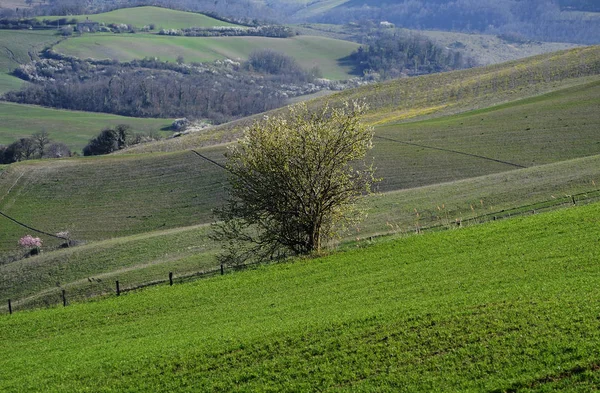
38, 145
112, 139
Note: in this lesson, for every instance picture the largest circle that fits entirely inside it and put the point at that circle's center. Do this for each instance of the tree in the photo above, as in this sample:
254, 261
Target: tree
41, 140
108, 141
294, 182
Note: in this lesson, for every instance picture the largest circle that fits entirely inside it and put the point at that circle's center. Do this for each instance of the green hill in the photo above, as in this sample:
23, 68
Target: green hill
503, 307
19, 47
172, 189
309, 51
91, 269
73, 128
163, 18
444, 168
430, 96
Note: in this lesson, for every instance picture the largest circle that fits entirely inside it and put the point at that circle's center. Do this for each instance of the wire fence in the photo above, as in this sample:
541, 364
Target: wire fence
97, 288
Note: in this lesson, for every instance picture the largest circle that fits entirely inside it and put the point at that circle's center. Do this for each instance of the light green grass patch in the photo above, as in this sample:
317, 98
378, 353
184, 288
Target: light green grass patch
309, 51
21, 46
9, 82
74, 128
144, 16
491, 308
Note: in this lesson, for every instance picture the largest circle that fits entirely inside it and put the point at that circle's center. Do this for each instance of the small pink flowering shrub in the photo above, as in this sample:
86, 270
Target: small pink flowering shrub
29, 241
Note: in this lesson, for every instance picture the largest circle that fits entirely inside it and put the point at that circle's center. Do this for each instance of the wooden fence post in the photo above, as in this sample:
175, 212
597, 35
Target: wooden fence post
118, 289
171, 278
64, 297
9, 307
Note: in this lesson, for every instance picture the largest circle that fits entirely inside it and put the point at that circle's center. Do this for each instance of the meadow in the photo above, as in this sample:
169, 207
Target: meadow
499, 307
162, 18
91, 269
73, 128
309, 51
128, 193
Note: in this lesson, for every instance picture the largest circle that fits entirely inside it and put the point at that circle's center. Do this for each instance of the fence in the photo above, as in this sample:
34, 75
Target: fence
117, 288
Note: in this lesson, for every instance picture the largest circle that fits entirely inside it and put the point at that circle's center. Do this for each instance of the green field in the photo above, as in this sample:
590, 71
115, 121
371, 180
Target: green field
73, 128
149, 256
21, 46
309, 51
546, 129
508, 306
9, 82
163, 18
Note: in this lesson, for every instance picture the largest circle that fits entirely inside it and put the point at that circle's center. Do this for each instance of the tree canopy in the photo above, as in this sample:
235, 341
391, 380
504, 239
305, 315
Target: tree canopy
294, 181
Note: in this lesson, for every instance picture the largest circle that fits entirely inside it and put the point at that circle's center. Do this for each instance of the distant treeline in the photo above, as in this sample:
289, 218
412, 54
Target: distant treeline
392, 54
535, 19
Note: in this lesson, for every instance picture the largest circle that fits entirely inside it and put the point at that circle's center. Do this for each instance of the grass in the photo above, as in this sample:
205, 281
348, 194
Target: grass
99, 198
309, 51
505, 306
9, 82
431, 96
73, 128
21, 46
91, 269
163, 18
133, 194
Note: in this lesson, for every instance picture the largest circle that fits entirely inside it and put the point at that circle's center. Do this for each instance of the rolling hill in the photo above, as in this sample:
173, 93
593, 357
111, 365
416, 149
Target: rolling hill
501, 307
446, 167
309, 51
162, 18
73, 128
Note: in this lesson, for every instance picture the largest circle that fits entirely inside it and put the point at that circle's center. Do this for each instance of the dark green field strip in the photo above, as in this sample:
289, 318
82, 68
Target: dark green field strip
496, 307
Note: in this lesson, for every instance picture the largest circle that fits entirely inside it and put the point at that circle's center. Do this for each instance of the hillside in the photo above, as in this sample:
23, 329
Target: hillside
162, 18
91, 269
309, 51
501, 307
435, 95
135, 193
73, 128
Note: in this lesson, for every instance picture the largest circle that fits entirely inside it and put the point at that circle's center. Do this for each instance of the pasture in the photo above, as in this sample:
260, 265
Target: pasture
504, 306
73, 128
309, 51
164, 243
162, 18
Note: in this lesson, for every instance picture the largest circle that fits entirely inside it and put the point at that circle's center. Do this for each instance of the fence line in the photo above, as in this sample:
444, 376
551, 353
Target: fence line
584, 198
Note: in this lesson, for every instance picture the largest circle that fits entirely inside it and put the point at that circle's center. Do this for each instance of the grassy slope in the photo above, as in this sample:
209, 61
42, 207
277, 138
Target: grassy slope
142, 258
73, 128
21, 46
436, 95
9, 82
146, 184
509, 305
144, 16
307, 50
